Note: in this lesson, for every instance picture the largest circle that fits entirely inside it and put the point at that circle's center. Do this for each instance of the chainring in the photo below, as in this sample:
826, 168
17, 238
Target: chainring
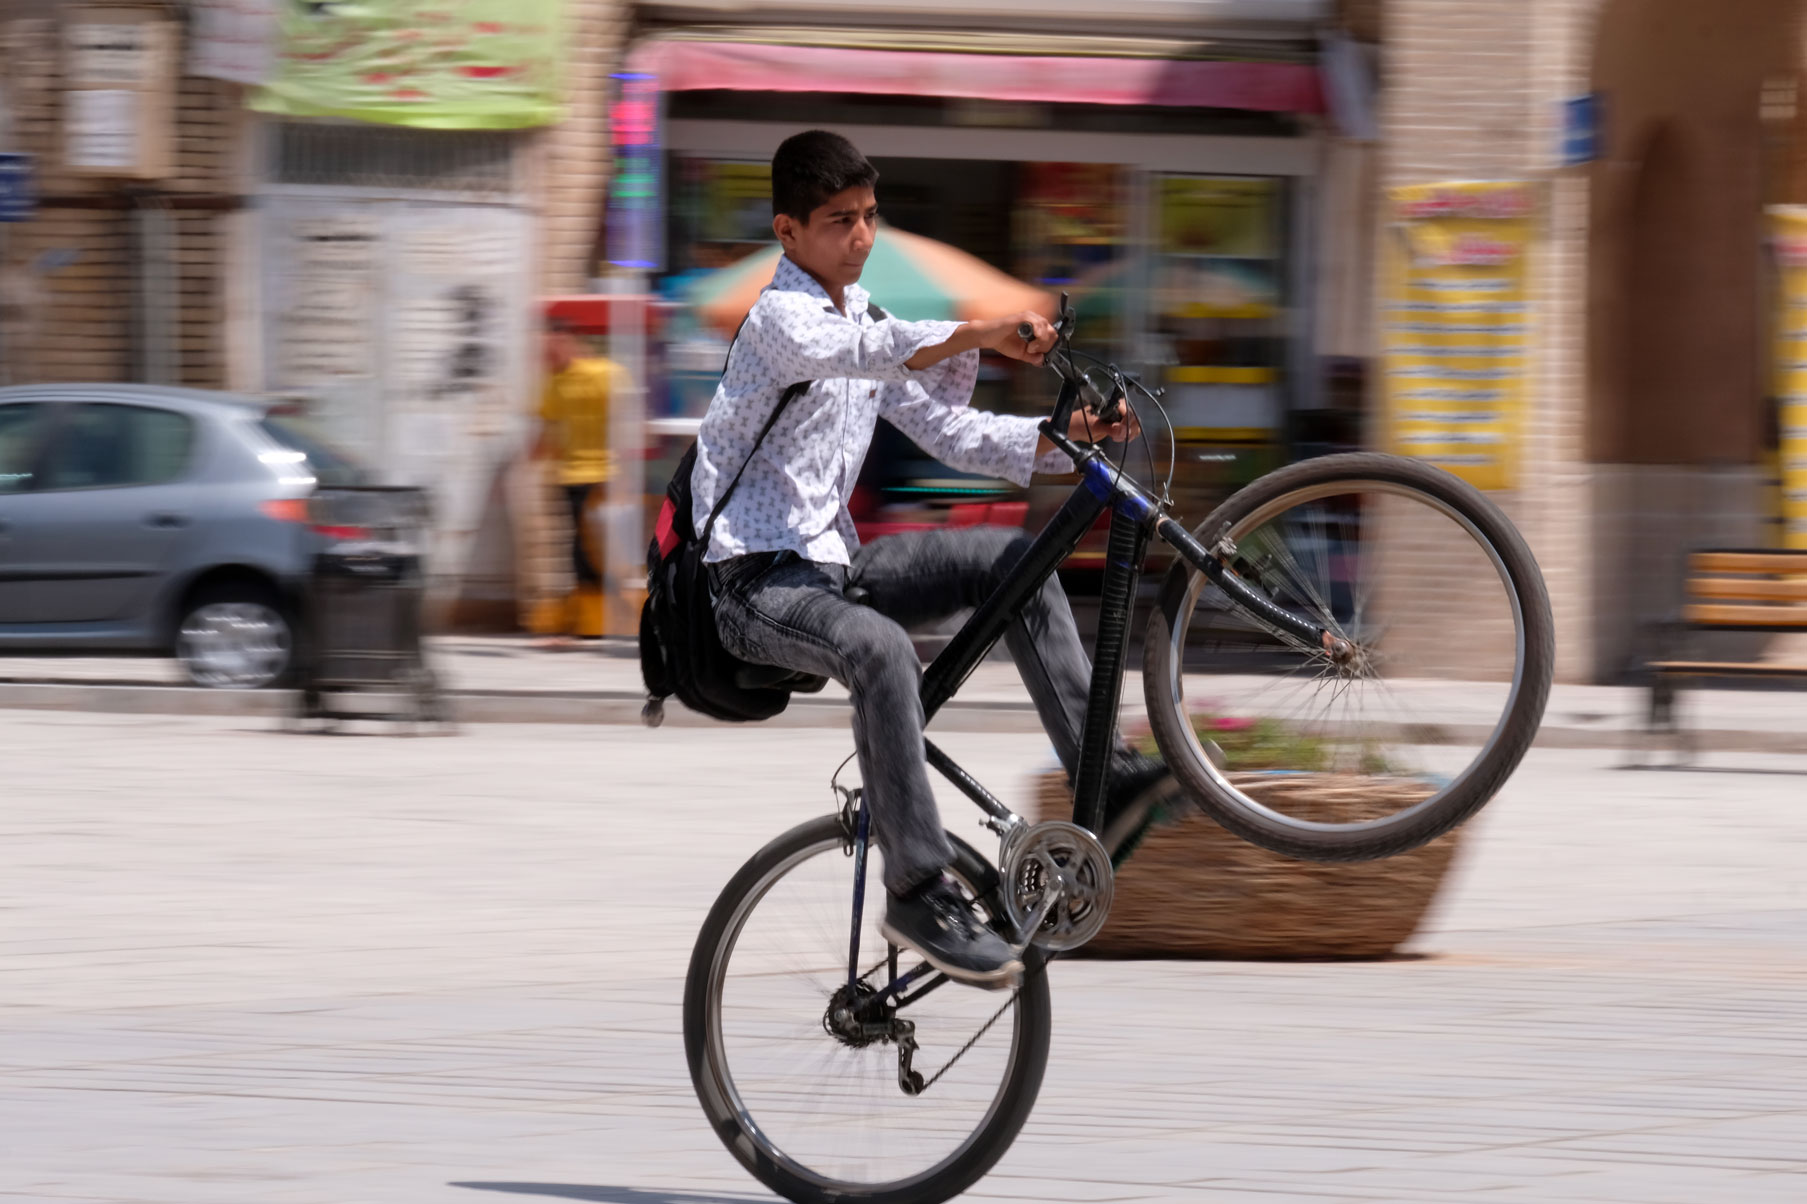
1063, 855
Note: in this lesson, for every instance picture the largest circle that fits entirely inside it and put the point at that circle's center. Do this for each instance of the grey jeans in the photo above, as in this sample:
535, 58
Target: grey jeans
774, 608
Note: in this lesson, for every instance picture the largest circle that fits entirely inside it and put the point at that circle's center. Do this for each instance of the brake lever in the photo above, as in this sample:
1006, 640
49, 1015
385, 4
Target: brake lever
1111, 412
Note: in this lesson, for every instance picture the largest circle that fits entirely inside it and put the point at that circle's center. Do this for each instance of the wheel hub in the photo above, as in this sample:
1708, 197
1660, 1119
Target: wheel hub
856, 1018
235, 644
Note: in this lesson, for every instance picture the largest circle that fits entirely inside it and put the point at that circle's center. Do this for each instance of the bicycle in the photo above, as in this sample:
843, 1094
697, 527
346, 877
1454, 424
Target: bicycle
836, 1068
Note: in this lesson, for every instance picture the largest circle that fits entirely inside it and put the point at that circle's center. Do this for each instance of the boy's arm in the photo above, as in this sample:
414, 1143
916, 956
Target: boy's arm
935, 411
795, 338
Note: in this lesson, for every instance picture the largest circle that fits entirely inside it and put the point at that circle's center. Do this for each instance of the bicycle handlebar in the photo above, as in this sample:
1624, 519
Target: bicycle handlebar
1109, 410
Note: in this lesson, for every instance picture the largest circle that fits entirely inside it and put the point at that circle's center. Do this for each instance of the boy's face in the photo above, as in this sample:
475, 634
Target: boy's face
832, 246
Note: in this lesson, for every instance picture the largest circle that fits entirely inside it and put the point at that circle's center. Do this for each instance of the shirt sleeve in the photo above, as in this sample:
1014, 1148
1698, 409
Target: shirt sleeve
549, 398
934, 409
799, 340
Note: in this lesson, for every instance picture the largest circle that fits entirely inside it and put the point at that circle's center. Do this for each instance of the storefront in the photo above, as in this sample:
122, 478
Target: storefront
1171, 186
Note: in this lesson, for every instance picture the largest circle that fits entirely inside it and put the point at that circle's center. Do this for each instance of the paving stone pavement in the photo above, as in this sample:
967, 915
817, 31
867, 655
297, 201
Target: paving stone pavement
237, 965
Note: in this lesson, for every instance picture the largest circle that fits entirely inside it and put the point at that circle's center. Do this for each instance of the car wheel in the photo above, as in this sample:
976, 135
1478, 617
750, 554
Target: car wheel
235, 637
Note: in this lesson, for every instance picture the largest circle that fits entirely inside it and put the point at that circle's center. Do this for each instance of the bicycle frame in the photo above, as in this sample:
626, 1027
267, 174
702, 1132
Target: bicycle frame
1136, 517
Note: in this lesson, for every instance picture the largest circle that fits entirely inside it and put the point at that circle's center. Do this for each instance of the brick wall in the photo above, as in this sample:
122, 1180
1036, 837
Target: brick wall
70, 276
1472, 92
574, 156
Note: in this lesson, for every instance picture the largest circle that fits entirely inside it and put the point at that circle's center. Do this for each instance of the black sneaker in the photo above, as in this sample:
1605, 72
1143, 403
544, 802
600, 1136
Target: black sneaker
936, 921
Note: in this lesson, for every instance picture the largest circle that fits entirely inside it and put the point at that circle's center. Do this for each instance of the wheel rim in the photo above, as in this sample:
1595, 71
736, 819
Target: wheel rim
234, 645
829, 1115
1413, 713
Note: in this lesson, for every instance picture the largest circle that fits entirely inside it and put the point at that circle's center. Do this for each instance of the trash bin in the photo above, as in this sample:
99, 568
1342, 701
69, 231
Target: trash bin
364, 596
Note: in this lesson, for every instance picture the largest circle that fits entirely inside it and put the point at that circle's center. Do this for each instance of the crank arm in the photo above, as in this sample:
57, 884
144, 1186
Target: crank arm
1050, 900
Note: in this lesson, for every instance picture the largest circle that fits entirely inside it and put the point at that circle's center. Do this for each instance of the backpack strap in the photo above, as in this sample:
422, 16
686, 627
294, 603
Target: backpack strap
790, 394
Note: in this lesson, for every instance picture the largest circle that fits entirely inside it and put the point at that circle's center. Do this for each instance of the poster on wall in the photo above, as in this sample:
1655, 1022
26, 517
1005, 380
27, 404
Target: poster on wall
1456, 330
479, 64
738, 205
1788, 233
1220, 247
233, 40
325, 335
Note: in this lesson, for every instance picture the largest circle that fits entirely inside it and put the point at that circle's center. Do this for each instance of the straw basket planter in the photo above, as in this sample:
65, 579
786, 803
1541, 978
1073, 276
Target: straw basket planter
1194, 890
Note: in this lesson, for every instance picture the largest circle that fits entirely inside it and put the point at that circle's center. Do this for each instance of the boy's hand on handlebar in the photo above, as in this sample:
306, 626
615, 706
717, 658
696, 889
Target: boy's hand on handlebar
1087, 427
1007, 337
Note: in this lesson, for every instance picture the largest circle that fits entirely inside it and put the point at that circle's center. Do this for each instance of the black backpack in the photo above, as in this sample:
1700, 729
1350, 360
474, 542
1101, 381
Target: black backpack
680, 648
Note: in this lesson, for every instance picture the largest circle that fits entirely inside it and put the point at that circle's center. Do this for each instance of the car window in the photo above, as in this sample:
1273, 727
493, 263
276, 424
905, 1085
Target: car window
22, 428
104, 446
329, 466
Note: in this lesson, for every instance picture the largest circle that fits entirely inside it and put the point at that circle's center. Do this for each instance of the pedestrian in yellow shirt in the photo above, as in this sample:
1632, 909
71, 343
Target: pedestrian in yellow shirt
574, 435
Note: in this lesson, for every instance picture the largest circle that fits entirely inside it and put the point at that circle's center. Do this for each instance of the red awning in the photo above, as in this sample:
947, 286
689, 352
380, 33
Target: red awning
686, 66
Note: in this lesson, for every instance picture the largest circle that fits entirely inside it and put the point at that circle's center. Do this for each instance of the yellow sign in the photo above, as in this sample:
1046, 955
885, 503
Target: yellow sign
1457, 327
1788, 229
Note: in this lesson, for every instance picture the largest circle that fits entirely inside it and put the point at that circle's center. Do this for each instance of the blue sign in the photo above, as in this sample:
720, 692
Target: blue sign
17, 199
1581, 130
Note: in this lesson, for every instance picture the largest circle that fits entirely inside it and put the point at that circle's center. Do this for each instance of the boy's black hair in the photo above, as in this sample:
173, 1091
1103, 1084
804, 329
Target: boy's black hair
811, 167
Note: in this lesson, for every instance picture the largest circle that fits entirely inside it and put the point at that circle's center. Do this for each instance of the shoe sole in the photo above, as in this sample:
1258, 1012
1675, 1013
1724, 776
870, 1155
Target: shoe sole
1006, 976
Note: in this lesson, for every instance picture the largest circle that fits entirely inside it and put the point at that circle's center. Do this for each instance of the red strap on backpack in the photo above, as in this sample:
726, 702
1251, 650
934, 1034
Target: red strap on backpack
664, 531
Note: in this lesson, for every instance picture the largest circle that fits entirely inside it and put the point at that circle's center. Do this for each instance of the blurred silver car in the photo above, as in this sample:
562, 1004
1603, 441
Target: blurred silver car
160, 521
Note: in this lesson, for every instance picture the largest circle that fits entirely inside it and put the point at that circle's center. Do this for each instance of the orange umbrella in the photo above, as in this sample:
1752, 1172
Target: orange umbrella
910, 276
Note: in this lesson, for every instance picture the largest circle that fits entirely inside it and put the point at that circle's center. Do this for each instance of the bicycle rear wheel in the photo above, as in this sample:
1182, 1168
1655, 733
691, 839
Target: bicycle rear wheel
1412, 729
819, 1115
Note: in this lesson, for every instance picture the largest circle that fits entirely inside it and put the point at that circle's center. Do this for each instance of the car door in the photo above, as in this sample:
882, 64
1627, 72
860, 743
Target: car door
110, 512
23, 428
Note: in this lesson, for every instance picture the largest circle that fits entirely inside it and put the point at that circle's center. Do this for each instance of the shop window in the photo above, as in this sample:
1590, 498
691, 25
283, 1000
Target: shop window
1219, 296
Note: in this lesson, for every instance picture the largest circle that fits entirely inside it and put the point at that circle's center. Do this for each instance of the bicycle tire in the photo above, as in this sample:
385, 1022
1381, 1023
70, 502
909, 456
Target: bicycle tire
741, 1134
1462, 797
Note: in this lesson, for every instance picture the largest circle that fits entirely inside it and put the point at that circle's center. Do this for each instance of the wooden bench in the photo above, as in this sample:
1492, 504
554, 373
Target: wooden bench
1750, 590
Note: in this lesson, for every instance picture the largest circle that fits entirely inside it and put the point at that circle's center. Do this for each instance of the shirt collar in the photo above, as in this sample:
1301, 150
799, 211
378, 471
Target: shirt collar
793, 279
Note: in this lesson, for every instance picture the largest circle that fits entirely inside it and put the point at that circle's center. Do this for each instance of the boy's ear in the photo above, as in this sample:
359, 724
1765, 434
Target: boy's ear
785, 227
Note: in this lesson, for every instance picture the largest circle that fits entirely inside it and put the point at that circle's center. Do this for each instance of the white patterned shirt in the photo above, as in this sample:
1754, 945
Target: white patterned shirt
793, 497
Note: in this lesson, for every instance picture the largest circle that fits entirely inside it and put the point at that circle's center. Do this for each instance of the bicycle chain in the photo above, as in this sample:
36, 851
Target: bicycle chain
983, 1029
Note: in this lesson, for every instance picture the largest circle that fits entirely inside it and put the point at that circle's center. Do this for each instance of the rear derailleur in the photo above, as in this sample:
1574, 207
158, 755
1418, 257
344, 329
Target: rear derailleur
858, 1016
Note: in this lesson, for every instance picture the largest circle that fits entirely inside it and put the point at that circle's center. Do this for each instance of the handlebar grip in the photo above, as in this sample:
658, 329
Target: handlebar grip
1026, 331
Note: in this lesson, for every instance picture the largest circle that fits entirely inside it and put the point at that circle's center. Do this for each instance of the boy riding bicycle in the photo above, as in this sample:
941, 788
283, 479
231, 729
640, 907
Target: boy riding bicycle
784, 557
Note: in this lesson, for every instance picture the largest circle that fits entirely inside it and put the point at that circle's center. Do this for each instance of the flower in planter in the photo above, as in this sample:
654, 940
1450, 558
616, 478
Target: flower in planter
1249, 745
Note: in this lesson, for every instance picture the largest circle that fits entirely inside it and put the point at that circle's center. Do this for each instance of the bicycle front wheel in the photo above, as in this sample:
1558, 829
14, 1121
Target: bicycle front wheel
815, 1107
1407, 728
